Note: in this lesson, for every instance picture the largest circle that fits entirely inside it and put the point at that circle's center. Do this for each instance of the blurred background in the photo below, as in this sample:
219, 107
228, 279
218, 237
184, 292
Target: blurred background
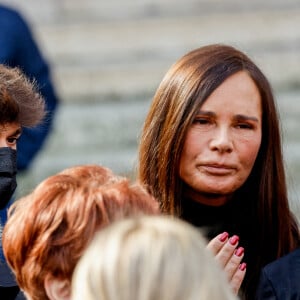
108, 57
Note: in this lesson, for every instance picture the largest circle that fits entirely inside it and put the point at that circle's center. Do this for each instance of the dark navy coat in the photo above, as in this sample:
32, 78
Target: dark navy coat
280, 279
18, 48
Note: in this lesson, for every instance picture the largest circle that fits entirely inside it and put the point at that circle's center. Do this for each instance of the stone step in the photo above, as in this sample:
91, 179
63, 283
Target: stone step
70, 11
126, 53
132, 56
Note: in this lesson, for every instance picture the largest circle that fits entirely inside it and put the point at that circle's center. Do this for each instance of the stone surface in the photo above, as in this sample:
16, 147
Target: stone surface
120, 49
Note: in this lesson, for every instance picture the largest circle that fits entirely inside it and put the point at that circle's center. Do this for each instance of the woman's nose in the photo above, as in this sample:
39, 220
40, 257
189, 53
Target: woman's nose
222, 141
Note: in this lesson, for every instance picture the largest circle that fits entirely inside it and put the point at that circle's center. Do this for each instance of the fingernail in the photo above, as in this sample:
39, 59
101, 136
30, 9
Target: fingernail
224, 236
233, 240
239, 251
242, 266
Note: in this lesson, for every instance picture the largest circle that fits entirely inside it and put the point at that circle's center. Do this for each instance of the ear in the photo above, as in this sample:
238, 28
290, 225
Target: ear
57, 289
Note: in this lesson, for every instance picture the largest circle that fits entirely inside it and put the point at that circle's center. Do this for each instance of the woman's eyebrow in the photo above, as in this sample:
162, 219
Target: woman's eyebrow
246, 118
237, 117
206, 113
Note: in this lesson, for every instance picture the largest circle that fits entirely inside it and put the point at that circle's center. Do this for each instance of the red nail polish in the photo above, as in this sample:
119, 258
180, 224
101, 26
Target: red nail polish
242, 266
224, 236
239, 251
233, 240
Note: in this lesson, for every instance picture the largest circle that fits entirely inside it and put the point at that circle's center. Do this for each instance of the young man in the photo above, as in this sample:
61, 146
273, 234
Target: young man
21, 106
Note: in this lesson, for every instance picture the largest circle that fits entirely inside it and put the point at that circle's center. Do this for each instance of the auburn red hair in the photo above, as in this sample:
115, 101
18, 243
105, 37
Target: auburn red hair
48, 230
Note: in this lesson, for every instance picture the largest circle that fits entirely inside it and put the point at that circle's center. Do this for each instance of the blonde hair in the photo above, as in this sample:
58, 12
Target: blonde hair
149, 258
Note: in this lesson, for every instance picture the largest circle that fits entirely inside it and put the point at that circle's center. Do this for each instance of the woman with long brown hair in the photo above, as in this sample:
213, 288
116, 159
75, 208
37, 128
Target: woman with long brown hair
210, 152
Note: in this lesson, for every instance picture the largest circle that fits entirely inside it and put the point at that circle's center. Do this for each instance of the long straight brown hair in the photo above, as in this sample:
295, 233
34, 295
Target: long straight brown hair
183, 90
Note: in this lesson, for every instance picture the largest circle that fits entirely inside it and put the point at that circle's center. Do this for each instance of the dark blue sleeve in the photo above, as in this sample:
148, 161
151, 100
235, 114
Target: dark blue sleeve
19, 48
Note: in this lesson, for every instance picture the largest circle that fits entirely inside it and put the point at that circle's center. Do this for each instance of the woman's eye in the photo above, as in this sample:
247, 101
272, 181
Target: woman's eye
245, 126
202, 121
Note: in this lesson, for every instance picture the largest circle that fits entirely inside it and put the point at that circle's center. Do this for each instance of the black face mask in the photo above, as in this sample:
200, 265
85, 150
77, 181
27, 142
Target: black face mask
8, 172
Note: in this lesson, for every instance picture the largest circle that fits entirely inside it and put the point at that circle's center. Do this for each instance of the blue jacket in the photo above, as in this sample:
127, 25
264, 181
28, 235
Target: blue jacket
280, 280
18, 48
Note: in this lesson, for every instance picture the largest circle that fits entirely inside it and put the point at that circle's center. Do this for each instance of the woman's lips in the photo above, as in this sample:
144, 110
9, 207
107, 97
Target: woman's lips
215, 169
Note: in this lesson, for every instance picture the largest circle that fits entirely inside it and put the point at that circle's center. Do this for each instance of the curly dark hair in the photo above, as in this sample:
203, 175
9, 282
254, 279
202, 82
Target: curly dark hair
20, 100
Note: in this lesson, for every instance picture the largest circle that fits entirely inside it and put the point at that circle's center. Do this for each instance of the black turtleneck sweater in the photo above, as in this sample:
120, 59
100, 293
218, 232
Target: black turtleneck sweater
232, 217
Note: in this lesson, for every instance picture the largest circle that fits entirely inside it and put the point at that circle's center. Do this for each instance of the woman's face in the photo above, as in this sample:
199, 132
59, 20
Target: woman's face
222, 144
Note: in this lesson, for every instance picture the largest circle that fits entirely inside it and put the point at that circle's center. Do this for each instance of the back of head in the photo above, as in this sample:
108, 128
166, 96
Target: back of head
48, 229
20, 101
149, 258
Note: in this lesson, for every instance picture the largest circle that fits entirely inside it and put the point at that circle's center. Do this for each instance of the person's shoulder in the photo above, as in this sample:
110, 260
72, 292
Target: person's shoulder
289, 258
9, 12
286, 268
12, 22
280, 278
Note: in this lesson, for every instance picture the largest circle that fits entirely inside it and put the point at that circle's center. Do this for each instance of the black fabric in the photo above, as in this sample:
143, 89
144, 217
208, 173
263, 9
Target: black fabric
215, 220
8, 172
237, 217
9, 293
